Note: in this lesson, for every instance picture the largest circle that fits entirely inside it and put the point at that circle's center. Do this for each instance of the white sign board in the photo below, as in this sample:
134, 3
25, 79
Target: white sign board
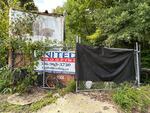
60, 62
39, 26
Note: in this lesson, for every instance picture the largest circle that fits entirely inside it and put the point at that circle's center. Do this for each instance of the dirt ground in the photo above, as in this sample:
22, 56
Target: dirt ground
26, 99
3, 98
80, 103
87, 102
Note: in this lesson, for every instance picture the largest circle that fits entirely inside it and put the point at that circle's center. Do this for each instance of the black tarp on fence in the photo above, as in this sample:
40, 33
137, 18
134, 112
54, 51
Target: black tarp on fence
104, 64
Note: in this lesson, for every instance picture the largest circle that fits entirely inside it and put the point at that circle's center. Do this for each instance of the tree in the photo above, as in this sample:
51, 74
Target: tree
6, 4
28, 4
58, 10
119, 21
125, 20
79, 16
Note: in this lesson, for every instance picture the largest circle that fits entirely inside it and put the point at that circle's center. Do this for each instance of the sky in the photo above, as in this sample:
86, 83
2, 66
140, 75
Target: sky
48, 4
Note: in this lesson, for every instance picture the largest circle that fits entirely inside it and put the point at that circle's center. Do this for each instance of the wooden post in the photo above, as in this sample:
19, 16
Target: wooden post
10, 51
10, 58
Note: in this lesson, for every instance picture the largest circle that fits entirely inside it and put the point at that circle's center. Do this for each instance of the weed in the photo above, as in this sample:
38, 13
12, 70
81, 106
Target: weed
71, 87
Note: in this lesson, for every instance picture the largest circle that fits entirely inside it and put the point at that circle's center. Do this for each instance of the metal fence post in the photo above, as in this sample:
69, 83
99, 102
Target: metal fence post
137, 64
44, 70
77, 41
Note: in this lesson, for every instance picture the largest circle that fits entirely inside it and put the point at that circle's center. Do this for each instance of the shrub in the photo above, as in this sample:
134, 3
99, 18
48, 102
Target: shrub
6, 80
128, 97
145, 58
12, 81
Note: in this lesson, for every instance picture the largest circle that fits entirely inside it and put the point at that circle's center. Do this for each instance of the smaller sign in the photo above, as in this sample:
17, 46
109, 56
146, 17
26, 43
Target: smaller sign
59, 62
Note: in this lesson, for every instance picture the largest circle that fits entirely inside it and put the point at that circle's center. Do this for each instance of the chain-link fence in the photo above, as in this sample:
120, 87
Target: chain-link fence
54, 81
82, 86
90, 86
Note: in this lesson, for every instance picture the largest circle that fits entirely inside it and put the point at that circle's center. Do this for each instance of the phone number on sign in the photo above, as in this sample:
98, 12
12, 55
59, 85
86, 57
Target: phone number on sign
57, 64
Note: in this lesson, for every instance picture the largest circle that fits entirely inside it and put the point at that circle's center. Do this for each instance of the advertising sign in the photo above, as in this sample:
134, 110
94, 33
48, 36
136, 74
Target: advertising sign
37, 27
60, 62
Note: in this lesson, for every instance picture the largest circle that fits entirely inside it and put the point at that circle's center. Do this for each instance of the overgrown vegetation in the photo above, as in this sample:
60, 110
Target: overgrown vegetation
116, 23
17, 76
132, 99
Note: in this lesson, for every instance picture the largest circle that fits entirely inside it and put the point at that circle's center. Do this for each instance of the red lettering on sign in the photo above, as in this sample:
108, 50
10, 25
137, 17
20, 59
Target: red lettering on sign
58, 59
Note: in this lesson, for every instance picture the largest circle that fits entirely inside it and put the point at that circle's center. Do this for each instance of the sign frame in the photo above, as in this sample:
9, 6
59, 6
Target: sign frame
57, 62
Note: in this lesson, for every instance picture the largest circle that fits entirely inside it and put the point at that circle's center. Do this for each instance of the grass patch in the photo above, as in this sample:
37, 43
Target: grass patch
43, 102
6, 107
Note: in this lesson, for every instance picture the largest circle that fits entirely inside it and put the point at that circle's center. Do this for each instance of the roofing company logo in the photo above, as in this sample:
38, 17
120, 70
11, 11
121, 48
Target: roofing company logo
59, 56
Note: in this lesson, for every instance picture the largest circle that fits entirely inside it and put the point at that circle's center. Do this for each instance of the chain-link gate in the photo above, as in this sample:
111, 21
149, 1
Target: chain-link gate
104, 85
94, 86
